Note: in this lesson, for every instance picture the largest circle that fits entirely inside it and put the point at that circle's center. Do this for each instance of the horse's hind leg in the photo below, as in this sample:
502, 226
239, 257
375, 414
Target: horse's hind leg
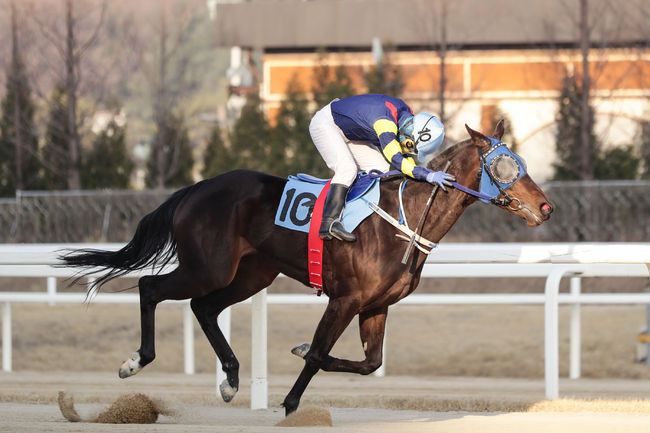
207, 309
337, 317
250, 278
153, 290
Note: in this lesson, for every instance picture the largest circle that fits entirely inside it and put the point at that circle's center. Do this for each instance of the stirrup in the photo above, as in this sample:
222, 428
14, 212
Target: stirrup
338, 231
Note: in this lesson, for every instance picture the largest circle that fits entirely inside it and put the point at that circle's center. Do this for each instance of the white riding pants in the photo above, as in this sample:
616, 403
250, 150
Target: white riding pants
344, 157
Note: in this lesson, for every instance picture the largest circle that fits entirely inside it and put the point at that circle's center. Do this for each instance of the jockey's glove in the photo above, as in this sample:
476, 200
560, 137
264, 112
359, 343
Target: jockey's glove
441, 178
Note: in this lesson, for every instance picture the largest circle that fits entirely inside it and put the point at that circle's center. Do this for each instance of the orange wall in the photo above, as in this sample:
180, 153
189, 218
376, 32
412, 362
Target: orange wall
533, 76
426, 78
499, 72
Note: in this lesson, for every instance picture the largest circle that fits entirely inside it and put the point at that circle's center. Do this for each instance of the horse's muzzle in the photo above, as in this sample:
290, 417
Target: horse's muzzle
546, 209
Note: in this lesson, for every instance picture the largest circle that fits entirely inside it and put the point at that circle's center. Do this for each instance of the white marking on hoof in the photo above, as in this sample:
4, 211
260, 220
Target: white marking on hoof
301, 350
131, 366
227, 391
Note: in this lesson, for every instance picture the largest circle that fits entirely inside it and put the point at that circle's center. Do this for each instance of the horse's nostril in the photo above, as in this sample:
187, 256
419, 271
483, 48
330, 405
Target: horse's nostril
546, 209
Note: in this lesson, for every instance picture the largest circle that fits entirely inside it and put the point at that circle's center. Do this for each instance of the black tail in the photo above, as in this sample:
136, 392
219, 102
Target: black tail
153, 244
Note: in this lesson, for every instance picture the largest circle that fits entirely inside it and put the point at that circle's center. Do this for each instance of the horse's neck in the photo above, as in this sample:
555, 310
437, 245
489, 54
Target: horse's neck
448, 206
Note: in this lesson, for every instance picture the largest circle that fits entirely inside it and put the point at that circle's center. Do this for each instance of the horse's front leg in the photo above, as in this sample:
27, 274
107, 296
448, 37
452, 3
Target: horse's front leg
371, 329
337, 317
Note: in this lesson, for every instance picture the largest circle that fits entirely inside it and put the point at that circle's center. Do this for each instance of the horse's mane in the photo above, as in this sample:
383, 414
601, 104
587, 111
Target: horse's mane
437, 163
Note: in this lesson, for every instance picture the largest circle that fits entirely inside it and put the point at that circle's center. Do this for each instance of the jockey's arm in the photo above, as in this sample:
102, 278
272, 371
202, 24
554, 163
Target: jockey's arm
386, 131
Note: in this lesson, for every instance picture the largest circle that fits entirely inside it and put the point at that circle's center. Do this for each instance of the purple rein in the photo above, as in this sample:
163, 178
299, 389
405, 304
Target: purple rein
378, 174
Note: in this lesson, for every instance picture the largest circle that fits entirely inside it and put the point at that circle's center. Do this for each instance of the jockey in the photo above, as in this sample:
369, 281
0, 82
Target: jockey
366, 132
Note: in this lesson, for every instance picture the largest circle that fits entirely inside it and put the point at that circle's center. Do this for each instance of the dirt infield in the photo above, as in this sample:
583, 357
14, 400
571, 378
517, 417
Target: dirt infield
357, 404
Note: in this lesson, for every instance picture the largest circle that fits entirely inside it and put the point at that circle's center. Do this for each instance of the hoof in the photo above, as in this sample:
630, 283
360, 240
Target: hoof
227, 391
131, 366
301, 350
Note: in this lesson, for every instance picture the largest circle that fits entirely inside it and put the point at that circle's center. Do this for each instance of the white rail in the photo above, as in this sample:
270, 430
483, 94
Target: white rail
550, 261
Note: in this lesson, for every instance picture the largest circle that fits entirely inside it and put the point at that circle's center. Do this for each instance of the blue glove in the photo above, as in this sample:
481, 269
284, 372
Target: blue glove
441, 178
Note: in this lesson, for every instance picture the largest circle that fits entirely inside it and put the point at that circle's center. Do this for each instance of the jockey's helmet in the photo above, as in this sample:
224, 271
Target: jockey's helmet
422, 131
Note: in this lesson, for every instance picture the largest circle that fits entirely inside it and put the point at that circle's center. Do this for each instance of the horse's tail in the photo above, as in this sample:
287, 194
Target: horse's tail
153, 244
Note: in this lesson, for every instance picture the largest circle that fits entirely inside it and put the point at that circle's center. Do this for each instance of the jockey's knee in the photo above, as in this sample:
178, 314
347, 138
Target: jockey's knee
345, 173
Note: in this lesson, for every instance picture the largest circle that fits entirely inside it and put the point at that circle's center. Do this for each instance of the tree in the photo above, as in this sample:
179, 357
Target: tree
568, 165
616, 163
250, 137
384, 77
442, 55
108, 164
19, 165
171, 161
217, 158
167, 75
508, 134
329, 83
55, 156
644, 145
291, 139
71, 44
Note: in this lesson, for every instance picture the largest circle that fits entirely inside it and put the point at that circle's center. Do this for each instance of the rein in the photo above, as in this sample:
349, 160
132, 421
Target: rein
422, 243
407, 253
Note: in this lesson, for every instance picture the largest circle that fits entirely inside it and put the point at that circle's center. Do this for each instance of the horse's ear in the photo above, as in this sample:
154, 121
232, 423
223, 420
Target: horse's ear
498, 130
478, 139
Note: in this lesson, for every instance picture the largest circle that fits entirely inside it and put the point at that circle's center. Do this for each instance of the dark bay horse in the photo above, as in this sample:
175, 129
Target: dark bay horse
222, 231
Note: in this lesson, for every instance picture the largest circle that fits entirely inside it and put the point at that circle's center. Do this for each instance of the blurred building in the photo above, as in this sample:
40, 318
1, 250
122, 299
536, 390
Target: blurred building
499, 56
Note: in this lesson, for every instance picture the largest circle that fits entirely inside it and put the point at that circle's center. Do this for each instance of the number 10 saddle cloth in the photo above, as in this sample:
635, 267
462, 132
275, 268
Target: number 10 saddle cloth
300, 194
303, 197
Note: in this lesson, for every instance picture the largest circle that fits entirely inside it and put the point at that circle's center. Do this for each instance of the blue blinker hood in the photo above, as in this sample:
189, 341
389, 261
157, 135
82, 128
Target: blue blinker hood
490, 184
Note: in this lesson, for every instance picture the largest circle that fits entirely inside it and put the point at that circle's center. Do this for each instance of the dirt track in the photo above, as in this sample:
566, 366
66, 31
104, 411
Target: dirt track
28, 404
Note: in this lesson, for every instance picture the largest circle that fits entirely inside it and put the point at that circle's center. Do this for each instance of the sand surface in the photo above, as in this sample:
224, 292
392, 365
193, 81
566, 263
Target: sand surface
29, 404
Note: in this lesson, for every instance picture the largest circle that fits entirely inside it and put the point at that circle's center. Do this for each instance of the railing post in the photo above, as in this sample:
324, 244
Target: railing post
188, 339
647, 328
51, 289
381, 371
551, 330
575, 341
259, 382
551, 337
224, 325
6, 337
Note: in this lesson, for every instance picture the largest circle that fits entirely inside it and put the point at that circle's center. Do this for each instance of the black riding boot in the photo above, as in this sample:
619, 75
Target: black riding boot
331, 225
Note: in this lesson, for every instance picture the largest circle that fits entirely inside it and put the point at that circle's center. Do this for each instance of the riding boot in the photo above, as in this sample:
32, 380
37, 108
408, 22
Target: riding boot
331, 225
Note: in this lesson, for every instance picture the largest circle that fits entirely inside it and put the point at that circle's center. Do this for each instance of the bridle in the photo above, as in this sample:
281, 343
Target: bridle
504, 201
502, 168
493, 186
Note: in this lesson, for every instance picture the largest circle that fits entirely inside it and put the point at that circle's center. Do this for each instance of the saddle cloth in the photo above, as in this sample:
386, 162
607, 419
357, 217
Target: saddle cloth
300, 194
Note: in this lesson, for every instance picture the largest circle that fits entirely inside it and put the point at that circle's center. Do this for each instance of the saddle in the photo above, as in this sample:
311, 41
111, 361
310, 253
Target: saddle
359, 187
300, 194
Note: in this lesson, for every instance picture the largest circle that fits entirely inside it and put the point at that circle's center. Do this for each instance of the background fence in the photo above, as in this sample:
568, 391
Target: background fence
585, 212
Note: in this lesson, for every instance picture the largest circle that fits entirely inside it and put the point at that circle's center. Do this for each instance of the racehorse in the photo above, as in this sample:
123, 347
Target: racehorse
228, 248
